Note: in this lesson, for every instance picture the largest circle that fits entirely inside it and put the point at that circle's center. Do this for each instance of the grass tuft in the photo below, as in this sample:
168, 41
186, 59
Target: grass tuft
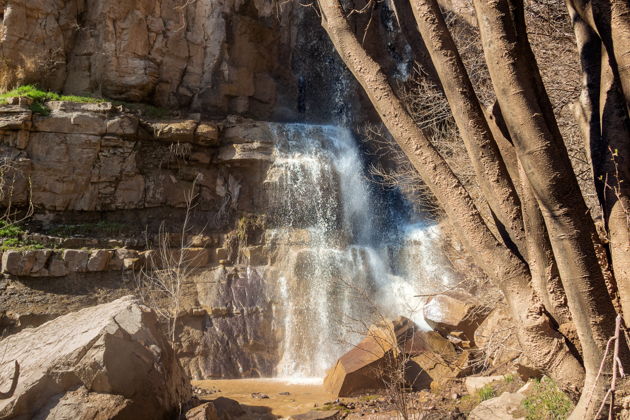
547, 402
40, 97
486, 393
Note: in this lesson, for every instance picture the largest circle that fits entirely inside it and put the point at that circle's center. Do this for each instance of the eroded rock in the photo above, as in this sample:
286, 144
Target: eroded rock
363, 367
111, 360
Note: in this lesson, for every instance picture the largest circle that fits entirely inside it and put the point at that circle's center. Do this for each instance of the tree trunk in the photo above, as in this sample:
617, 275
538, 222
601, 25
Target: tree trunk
620, 34
490, 170
418, 48
603, 121
542, 344
540, 258
612, 175
542, 264
545, 161
610, 20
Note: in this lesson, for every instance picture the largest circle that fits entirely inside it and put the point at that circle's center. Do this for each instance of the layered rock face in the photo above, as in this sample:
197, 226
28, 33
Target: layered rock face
85, 162
214, 56
104, 362
95, 157
212, 53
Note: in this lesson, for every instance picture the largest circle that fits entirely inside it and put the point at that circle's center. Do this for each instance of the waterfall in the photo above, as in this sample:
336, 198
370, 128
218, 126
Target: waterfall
337, 259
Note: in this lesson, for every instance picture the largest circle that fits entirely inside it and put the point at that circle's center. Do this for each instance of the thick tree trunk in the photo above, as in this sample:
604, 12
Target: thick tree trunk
612, 176
603, 121
540, 258
542, 344
542, 264
545, 161
418, 48
490, 170
610, 20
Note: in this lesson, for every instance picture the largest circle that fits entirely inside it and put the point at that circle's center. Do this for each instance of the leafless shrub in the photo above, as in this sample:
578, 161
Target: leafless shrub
10, 175
160, 282
180, 150
393, 348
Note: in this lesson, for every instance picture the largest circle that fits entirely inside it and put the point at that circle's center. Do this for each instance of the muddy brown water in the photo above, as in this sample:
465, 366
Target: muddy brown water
301, 398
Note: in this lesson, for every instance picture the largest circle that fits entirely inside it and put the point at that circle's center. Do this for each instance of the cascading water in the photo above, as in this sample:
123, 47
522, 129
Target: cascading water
334, 257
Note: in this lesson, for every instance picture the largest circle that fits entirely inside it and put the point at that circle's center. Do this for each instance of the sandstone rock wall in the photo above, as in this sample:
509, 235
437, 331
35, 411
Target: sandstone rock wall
266, 59
220, 54
93, 161
97, 157
260, 58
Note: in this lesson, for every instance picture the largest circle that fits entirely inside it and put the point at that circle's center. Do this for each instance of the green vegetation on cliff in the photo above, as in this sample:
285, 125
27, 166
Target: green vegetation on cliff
40, 98
11, 238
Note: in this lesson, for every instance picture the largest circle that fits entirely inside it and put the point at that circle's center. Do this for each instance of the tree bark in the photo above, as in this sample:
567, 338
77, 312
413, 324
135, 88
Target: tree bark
545, 161
510, 274
603, 121
419, 49
610, 20
490, 170
620, 37
612, 178
542, 263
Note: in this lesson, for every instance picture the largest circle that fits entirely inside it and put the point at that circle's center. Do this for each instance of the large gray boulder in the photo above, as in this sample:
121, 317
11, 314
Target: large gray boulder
104, 362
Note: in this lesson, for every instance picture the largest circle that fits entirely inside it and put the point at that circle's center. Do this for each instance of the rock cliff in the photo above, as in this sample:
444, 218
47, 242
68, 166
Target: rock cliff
101, 181
84, 167
257, 57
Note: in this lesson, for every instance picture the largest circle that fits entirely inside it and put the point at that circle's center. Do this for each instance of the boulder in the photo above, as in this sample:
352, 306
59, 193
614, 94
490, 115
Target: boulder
440, 368
80, 404
103, 362
507, 406
496, 336
57, 267
21, 263
362, 368
454, 312
99, 259
205, 411
227, 408
76, 260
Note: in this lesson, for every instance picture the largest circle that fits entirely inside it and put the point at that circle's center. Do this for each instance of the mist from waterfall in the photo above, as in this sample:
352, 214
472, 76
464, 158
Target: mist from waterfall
343, 257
